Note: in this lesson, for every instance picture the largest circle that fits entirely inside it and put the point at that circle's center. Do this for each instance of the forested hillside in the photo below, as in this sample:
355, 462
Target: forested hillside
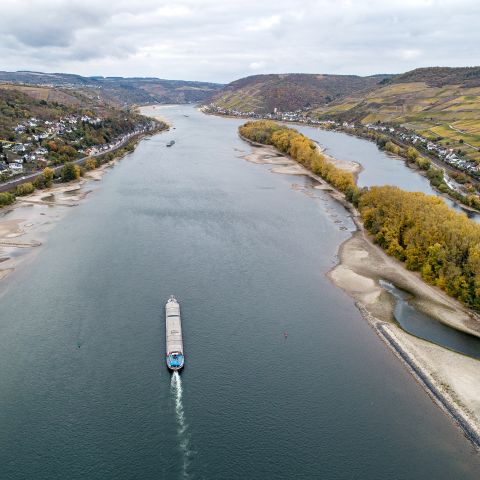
118, 91
37, 131
289, 92
440, 76
47, 104
16, 106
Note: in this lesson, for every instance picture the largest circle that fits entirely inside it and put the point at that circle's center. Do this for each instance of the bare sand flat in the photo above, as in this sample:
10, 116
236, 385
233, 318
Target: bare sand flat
5, 272
364, 258
156, 112
24, 225
451, 378
97, 174
267, 155
289, 170
364, 288
10, 228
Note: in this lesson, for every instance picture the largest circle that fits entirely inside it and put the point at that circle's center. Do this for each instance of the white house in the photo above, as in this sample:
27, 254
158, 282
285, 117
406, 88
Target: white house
16, 167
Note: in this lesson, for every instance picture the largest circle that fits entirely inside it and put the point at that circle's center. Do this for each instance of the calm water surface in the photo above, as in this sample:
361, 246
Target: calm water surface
84, 393
426, 327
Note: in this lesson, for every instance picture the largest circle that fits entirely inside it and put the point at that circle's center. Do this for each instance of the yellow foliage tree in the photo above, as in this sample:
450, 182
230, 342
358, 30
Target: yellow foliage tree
420, 229
91, 163
300, 148
48, 175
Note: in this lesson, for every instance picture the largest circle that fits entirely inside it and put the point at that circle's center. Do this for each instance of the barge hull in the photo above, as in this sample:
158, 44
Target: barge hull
174, 340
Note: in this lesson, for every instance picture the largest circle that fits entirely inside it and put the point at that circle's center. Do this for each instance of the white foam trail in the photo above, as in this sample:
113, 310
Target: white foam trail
182, 426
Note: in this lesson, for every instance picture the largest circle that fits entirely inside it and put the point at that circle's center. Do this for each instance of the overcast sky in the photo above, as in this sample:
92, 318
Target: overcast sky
222, 40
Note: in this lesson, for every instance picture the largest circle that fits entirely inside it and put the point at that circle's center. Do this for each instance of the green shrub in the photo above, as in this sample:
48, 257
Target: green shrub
24, 189
411, 154
6, 198
48, 176
70, 172
392, 148
423, 163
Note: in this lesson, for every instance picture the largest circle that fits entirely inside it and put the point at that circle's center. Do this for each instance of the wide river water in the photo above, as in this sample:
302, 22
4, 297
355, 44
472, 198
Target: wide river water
84, 392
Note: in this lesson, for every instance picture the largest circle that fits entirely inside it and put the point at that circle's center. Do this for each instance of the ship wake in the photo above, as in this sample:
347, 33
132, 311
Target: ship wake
182, 426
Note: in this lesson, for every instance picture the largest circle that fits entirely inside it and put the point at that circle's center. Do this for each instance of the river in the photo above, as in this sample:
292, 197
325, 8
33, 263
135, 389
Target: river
84, 392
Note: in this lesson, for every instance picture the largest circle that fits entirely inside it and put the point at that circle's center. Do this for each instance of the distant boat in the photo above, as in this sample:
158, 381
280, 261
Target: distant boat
170, 143
186, 115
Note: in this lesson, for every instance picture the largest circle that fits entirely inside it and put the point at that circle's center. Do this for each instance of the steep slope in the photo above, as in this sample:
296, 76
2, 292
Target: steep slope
19, 103
439, 103
119, 90
289, 92
38, 129
440, 76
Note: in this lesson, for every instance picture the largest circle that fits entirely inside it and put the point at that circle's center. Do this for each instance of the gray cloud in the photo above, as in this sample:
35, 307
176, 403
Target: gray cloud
221, 40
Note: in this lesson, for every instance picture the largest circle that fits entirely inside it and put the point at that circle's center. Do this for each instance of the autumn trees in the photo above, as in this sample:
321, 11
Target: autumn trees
300, 148
418, 229
91, 163
48, 176
70, 171
422, 231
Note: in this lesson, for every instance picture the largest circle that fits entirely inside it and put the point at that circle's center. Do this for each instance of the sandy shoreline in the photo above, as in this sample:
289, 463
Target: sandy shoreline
148, 111
25, 224
451, 379
353, 168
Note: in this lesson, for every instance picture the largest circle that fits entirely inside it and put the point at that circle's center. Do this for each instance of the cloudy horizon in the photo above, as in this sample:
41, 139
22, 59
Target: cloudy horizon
211, 40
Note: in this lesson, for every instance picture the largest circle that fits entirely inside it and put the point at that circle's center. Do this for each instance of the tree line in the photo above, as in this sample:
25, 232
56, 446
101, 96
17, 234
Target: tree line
302, 149
418, 229
422, 231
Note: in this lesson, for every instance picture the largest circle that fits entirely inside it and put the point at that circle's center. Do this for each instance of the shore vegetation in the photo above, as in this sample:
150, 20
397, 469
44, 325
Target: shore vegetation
301, 149
24, 189
422, 231
417, 229
70, 172
6, 198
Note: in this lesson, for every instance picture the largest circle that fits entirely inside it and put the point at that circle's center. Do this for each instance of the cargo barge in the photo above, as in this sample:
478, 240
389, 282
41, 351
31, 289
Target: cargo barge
174, 340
